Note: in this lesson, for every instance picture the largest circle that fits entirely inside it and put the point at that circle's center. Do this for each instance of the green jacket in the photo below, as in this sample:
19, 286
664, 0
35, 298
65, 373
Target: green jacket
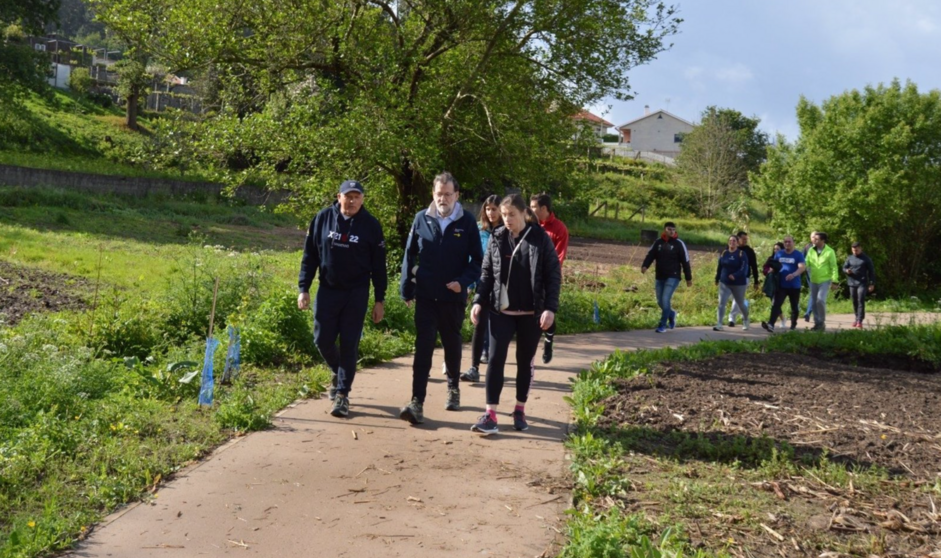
822, 267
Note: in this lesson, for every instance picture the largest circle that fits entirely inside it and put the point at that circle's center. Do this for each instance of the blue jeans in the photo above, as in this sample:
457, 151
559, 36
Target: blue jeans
664, 289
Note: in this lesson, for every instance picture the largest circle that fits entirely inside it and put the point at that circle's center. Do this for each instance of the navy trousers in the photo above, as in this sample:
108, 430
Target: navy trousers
340, 313
433, 318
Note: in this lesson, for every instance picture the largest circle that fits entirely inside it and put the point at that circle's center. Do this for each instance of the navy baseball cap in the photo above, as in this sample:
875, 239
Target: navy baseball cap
351, 186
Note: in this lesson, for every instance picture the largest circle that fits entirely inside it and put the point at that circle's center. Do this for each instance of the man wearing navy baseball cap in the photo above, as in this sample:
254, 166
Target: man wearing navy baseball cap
346, 245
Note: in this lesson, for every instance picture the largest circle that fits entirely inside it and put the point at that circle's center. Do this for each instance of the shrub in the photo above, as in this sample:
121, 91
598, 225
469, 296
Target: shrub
80, 81
277, 332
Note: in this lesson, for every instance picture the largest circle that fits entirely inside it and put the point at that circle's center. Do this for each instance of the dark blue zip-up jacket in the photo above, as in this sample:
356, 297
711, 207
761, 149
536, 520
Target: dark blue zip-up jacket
433, 258
346, 252
734, 264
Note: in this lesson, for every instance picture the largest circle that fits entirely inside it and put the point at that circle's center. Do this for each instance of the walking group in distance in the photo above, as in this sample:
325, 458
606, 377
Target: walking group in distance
510, 257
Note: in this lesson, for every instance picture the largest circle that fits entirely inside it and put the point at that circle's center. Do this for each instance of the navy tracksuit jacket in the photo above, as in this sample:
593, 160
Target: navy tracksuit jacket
348, 254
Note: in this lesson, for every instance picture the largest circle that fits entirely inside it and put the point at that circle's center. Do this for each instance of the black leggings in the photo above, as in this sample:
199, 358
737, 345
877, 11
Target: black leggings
502, 329
481, 337
794, 295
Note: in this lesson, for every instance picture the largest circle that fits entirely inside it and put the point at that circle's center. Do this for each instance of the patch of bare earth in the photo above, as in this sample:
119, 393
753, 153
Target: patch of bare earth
24, 291
589, 262
713, 425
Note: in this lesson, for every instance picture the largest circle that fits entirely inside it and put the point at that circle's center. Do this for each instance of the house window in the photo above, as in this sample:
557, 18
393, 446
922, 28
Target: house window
659, 117
677, 138
40, 47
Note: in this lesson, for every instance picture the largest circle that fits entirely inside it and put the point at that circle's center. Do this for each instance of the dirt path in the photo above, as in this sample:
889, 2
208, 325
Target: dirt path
373, 486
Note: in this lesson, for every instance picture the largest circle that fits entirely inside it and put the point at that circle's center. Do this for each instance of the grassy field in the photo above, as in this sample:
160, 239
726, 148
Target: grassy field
97, 405
63, 131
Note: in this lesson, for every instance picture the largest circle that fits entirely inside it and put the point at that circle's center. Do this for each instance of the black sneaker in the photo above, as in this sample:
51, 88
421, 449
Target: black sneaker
768, 327
454, 400
472, 375
519, 420
806, 317
332, 392
547, 352
341, 406
793, 325
413, 412
731, 323
485, 425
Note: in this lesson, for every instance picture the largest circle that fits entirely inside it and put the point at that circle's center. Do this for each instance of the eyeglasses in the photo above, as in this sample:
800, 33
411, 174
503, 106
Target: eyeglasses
445, 195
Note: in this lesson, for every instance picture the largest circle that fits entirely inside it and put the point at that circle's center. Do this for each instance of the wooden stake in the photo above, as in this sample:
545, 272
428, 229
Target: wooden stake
212, 315
94, 304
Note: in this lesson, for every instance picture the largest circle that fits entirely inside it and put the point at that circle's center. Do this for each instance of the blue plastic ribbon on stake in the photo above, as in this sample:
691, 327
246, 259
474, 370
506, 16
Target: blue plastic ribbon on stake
206, 385
596, 315
233, 359
205, 388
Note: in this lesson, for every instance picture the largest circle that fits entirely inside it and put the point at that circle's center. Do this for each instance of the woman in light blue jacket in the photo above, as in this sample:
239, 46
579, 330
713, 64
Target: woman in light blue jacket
488, 221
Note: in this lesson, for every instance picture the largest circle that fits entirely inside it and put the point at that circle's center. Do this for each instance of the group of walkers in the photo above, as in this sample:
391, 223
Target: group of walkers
784, 270
513, 265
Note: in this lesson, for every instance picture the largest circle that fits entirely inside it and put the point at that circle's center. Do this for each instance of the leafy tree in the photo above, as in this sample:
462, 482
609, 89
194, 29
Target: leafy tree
20, 66
751, 142
307, 92
31, 15
133, 84
866, 167
718, 154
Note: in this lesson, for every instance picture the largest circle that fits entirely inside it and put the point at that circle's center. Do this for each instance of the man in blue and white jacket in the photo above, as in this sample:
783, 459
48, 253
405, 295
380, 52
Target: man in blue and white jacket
442, 258
345, 244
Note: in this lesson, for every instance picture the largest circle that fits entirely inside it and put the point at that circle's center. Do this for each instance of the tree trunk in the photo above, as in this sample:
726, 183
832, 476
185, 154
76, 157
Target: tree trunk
131, 119
414, 194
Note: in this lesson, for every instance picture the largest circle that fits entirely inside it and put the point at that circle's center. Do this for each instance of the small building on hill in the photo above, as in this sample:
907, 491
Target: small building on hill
599, 126
656, 132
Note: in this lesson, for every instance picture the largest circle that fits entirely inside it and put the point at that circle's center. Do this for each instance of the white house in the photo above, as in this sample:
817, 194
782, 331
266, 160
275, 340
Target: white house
599, 126
657, 132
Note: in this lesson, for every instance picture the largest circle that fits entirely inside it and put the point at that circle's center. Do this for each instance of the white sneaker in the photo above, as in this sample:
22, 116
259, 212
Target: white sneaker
444, 368
745, 325
718, 328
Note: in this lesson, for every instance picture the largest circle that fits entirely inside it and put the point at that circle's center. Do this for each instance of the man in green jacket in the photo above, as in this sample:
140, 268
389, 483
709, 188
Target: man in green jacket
823, 271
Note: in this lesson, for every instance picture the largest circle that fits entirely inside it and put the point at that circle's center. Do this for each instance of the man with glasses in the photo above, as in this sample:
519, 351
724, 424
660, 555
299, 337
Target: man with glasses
442, 258
789, 285
672, 258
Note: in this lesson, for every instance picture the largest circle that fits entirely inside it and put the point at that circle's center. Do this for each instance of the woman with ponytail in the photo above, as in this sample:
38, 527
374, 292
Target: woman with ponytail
519, 291
488, 221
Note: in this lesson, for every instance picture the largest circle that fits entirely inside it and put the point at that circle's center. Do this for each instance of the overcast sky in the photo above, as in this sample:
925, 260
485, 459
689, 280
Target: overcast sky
760, 56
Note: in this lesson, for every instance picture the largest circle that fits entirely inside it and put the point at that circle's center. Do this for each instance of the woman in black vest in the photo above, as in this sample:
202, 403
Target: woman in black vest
519, 286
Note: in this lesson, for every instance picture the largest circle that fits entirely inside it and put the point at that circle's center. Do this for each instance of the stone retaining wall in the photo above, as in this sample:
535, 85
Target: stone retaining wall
129, 186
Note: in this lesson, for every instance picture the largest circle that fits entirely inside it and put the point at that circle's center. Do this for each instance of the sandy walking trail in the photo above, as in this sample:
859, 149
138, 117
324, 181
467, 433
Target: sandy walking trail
374, 486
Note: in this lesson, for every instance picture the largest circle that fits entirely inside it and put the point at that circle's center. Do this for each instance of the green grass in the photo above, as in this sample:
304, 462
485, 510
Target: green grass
64, 131
689, 479
93, 407
89, 165
695, 232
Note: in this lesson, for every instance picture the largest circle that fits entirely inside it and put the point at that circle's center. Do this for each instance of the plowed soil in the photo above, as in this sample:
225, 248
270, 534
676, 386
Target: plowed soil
875, 411
24, 291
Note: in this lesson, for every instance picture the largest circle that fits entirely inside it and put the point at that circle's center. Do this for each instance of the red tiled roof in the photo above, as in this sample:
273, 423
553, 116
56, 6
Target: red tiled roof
585, 115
